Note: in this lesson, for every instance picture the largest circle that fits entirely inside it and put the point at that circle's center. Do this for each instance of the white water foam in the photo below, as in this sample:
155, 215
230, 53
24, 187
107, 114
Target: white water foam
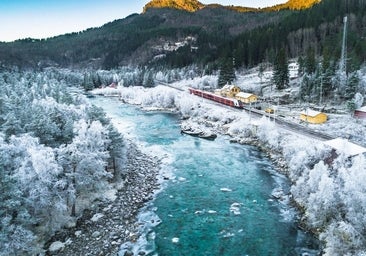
226, 190
145, 243
235, 208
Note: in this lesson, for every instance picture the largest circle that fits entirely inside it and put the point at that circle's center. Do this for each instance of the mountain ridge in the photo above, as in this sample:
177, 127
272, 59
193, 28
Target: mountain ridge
194, 5
218, 33
186, 5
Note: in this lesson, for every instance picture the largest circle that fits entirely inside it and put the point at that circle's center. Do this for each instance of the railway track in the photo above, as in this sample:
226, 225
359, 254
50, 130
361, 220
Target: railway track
287, 125
291, 126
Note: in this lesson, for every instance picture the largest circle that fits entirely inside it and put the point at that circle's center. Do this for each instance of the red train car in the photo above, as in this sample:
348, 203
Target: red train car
360, 113
208, 95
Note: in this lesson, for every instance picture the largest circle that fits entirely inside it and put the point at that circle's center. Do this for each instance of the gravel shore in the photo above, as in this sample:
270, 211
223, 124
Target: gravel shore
102, 229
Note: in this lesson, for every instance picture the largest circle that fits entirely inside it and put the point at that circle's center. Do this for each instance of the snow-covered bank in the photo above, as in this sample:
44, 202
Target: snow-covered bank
330, 195
110, 223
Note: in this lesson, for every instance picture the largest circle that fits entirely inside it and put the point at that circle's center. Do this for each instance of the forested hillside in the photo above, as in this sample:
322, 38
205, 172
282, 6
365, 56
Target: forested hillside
220, 33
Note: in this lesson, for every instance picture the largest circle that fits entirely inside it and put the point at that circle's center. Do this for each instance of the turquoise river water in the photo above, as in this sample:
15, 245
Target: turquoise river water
216, 197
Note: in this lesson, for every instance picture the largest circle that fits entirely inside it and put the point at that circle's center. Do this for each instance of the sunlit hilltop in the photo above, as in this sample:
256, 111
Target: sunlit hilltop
194, 5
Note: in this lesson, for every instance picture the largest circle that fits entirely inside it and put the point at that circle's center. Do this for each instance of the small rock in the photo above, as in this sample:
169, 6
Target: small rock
128, 253
78, 233
56, 246
71, 224
97, 216
96, 234
68, 241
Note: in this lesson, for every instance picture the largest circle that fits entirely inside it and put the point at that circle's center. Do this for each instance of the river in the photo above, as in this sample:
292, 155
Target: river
216, 198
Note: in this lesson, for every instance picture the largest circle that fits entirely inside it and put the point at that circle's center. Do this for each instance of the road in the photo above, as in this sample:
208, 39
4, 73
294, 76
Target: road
290, 126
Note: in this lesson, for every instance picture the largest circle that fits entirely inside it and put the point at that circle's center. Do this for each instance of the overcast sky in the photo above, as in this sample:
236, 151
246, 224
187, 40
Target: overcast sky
46, 18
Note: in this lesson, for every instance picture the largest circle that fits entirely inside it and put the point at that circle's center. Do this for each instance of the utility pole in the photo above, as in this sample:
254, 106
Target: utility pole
321, 90
343, 62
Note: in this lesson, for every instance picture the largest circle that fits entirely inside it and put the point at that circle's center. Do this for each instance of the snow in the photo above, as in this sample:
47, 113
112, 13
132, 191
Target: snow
346, 147
362, 109
244, 95
310, 112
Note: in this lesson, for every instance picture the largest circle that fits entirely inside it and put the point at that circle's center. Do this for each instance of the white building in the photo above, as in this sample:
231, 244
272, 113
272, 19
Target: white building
293, 69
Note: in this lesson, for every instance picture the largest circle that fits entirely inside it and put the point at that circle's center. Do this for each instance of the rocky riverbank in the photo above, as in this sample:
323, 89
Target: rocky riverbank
108, 224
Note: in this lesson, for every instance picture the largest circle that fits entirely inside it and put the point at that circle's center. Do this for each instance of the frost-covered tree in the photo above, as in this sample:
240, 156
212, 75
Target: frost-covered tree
358, 100
85, 161
40, 179
16, 236
332, 197
10, 208
12, 124
51, 122
47, 134
268, 134
323, 199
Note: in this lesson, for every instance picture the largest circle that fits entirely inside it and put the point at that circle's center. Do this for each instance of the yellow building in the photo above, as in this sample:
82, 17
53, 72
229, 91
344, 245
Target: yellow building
228, 91
313, 117
246, 97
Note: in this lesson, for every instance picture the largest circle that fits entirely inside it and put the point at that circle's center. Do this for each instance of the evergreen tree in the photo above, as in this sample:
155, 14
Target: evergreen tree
280, 72
327, 73
227, 72
301, 62
116, 149
97, 82
310, 62
352, 86
148, 80
88, 82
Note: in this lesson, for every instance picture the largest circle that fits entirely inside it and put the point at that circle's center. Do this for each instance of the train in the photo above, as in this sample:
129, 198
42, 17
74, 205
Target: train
211, 96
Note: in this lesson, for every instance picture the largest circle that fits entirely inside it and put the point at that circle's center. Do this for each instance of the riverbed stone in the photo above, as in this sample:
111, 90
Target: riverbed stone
128, 253
78, 233
56, 247
96, 234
